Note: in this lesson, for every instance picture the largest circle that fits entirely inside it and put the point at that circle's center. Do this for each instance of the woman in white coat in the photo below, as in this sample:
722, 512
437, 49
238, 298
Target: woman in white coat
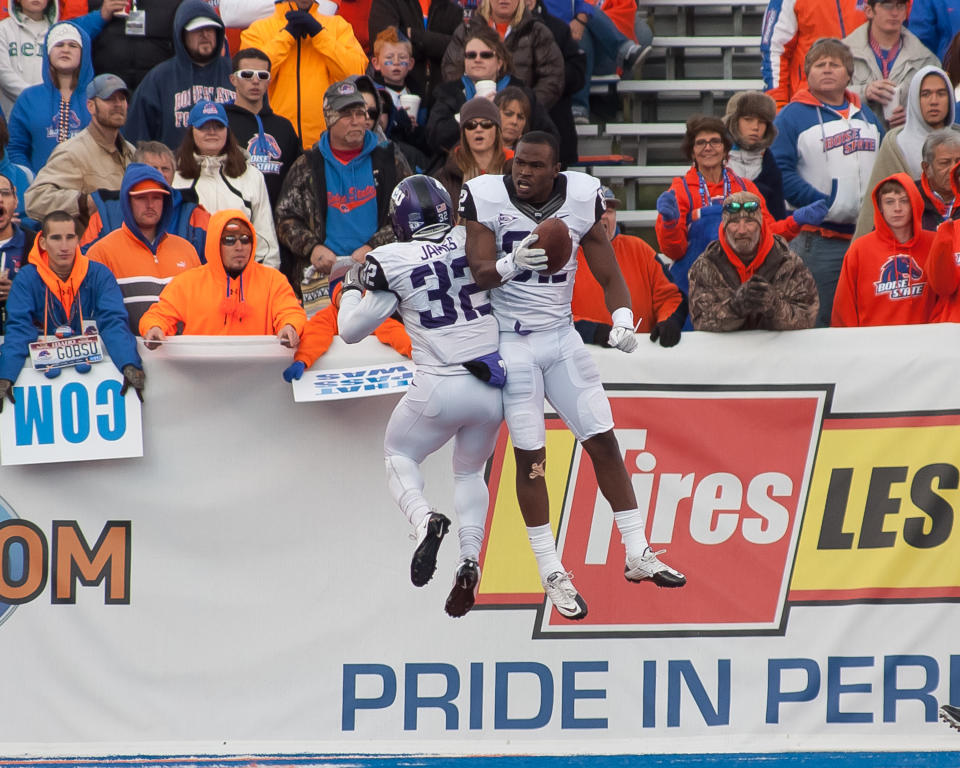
211, 162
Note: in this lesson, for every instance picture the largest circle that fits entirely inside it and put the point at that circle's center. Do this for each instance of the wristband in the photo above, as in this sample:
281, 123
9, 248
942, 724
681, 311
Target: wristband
506, 268
580, 21
622, 317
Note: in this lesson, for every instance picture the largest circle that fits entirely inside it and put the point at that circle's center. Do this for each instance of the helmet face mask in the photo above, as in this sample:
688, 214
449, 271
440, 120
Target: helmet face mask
420, 209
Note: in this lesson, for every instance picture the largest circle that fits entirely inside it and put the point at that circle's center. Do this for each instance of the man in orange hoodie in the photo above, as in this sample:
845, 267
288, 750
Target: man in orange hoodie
61, 292
883, 280
658, 305
143, 255
230, 295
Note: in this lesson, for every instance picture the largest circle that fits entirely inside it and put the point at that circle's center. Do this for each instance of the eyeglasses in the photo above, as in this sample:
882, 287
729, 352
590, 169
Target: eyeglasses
249, 74
234, 239
372, 113
716, 141
474, 124
402, 62
747, 206
479, 54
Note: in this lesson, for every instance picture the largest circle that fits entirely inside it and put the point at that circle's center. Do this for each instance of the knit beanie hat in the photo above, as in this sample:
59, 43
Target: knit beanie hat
479, 108
743, 197
60, 33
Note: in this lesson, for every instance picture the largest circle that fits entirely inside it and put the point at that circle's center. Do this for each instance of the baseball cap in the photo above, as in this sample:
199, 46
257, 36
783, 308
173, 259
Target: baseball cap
104, 86
199, 22
146, 186
204, 111
609, 198
340, 96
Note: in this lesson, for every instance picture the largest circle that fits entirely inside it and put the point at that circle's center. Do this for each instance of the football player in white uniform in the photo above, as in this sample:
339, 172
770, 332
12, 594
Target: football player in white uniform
456, 391
545, 355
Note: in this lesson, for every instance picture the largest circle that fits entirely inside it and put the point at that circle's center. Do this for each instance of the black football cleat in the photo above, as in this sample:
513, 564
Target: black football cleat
429, 535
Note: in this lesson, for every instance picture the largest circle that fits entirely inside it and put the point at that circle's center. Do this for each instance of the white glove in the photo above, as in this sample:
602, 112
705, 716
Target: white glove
526, 257
622, 336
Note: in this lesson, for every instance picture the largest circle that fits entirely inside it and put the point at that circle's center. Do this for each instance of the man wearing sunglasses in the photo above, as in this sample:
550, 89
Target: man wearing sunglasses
748, 278
231, 295
269, 138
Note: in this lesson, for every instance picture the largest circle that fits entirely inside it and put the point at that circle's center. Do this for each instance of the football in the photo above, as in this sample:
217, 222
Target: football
554, 237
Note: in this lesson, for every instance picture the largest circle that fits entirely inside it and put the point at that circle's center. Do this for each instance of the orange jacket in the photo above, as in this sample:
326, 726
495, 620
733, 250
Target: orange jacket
126, 255
652, 294
790, 27
304, 69
672, 236
943, 270
883, 281
209, 302
322, 327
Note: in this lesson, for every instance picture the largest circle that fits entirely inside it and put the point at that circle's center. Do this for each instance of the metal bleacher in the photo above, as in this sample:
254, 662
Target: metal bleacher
703, 52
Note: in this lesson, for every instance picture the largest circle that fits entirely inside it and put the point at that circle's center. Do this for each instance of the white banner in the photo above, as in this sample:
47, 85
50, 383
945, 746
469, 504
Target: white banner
246, 584
358, 381
73, 417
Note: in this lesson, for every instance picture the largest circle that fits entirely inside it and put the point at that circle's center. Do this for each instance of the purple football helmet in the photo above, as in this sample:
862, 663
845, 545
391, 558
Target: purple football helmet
420, 209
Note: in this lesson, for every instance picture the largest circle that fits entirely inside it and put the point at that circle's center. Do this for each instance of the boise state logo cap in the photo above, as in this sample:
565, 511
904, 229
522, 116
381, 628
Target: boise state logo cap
204, 111
339, 96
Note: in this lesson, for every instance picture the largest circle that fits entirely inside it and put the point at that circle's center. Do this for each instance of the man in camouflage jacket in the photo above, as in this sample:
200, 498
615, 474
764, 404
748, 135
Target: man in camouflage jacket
749, 279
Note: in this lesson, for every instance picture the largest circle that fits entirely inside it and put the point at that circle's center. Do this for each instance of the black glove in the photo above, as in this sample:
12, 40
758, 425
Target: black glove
302, 24
753, 297
133, 377
6, 390
667, 331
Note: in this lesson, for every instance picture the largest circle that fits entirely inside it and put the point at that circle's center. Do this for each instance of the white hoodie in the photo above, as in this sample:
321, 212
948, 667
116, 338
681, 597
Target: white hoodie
21, 51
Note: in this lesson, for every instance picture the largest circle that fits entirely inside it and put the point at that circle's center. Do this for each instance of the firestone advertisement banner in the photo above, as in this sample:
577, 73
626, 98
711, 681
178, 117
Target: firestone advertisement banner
246, 581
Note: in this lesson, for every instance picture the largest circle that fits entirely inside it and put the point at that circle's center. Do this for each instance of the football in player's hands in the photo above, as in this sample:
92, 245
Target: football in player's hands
554, 237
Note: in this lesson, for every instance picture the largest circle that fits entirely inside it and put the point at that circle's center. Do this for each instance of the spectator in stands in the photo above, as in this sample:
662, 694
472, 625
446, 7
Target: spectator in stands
790, 28
48, 295
886, 56
690, 212
198, 71
826, 146
230, 295
20, 176
748, 279
534, 53
934, 22
574, 79
143, 254
211, 163
514, 116
942, 269
269, 139
480, 149
429, 37
393, 64
48, 114
951, 65
128, 50
749, 118
882, 281
335, 199
938, 182
308, 51
67, 9
15, 243
322, 327
93, 159
930, 107
656, 300
606, 47
22, 36
485, 58
188, 219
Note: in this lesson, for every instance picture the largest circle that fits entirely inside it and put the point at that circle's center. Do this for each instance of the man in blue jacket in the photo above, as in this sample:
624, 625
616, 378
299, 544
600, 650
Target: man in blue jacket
59, 292
198, 71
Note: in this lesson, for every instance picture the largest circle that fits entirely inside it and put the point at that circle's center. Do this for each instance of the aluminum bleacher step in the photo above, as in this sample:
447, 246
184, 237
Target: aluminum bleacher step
689, 86
637, 218
708, 41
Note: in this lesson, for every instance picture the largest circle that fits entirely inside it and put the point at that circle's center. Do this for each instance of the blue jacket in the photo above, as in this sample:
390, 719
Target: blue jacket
161, 104
935, 22
351, 197
20, 180
99, 296
35, 121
